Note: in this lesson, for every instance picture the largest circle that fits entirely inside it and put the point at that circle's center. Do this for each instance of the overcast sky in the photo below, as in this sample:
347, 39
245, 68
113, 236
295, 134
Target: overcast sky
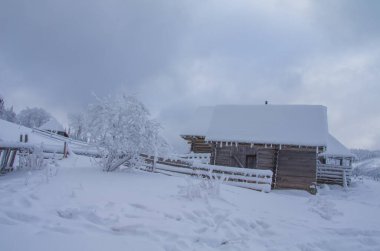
177, 55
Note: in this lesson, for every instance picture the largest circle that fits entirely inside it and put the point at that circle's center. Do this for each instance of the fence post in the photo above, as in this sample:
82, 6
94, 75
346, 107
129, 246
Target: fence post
65, 150
344, 180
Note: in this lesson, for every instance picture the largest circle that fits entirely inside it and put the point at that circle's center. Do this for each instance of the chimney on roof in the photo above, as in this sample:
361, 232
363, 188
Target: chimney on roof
266, 102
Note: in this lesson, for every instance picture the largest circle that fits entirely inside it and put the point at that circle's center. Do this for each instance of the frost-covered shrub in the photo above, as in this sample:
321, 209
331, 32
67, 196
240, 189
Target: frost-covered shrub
32, 159
202, 187
122, 129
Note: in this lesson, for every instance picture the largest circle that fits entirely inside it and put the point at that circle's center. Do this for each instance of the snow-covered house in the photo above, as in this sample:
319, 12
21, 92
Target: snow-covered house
54, 126
286, 139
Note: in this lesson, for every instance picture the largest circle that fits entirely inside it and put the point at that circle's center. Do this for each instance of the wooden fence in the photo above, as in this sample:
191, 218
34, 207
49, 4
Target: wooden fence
256, 179
334, 174
7, 158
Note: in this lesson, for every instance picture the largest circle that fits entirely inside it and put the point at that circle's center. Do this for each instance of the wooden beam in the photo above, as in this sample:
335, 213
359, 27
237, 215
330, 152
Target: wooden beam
237, 160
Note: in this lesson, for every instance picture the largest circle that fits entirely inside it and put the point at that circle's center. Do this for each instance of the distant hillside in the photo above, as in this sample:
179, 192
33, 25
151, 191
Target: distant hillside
368, 168
363, 154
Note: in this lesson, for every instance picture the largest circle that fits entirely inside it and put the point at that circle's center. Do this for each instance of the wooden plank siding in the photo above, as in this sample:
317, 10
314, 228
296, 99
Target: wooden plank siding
227, 155
296, 169
266, 159
198, 144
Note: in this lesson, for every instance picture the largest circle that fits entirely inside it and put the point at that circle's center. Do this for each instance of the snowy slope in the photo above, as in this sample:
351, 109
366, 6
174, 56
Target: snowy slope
369, 168
79, 207
10, 133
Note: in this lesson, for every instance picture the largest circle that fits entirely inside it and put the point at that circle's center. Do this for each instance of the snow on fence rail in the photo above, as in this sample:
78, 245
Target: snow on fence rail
59, 138
256, 179
199, 157
333, 174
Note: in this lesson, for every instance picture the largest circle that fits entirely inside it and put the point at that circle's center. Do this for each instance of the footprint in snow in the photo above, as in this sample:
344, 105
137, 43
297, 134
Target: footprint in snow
24, 202
68, 213
34, 197
22, 217
325, 209
5, 221
136, 229
139, 206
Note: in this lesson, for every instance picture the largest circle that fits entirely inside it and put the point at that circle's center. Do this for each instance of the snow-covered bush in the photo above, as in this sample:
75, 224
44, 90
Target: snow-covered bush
33, 117
77, 123
200, 187
122, 129
32, 159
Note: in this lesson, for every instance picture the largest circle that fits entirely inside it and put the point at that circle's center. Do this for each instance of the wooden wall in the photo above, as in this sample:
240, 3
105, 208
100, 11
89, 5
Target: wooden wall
292, 167
198, 144
236, 156
296, 169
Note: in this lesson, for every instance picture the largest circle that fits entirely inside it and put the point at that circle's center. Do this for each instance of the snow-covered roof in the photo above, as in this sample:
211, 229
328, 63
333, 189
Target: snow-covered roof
199, 121
266, 124
52, 125
336, 149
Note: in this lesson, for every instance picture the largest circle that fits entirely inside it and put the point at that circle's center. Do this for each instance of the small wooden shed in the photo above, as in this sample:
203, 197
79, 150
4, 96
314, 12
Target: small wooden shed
335, 162
286, 139
53, 126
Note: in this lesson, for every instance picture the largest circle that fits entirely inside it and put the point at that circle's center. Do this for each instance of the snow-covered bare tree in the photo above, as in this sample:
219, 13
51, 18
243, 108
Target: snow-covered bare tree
77, 123
7, 113
122, 128
1, 106
33, 117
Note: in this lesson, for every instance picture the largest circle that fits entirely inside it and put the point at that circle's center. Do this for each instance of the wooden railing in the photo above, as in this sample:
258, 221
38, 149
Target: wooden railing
334, 174
256, 179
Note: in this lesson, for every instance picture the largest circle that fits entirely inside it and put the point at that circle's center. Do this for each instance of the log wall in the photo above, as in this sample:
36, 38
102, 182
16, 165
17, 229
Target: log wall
296, 169
292, 167
198, 144
237, 156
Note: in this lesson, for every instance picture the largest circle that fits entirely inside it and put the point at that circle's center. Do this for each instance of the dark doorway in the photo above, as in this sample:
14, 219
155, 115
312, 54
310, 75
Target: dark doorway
250, 161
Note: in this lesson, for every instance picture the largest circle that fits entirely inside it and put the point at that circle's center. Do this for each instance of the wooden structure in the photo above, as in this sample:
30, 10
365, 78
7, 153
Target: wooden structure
292, 166
255, 179
283, 139
333, 174
7, 158
197, 143
9, 152
53, 126
334, 165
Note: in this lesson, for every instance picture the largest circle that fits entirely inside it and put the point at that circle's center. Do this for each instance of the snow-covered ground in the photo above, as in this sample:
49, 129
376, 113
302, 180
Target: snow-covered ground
75, 206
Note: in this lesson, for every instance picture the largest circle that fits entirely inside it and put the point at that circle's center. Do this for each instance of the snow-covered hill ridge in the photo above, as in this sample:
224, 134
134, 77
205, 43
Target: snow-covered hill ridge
369, 168
10, 134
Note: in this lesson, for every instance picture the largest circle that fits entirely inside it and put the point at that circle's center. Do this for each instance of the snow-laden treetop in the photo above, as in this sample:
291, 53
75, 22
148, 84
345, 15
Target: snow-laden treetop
264, 124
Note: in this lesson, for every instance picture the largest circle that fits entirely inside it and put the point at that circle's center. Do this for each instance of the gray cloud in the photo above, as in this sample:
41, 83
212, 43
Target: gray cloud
176, 55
